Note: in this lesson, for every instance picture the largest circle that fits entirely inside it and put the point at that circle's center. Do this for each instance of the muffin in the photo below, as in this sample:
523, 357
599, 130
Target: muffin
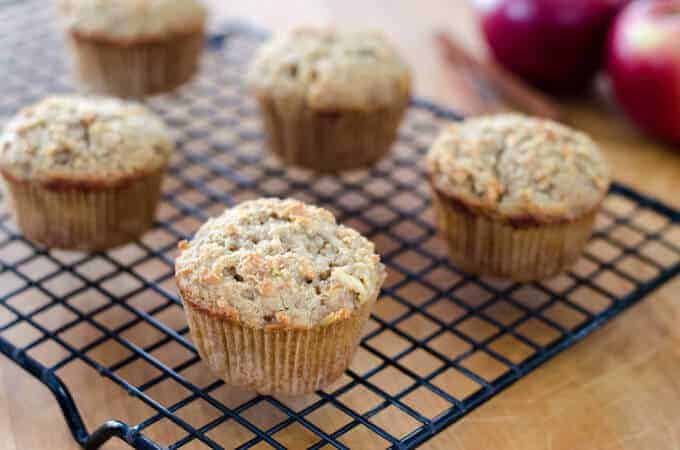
84, 173
276, 294
134, 48
330, 100
516, 197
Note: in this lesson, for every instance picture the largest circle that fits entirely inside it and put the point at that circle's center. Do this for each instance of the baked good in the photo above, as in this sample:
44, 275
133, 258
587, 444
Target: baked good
516, 196
134, 48
276, 294
330, 100
84, 173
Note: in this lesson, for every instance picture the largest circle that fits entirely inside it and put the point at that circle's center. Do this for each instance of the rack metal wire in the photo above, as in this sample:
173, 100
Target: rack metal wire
439, 344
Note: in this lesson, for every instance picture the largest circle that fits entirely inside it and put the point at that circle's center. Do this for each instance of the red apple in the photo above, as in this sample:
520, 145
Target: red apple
644, 65
556, 45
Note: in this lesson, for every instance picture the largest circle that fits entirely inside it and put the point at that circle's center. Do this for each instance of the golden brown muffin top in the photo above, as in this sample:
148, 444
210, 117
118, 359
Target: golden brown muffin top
519, 168
71, 140
122, 20
272, 262
331, 70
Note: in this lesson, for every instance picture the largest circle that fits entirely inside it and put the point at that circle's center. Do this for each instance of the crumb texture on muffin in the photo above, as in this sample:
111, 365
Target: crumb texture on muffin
272, 262
72, 140
514, 167
330, 70
132, 19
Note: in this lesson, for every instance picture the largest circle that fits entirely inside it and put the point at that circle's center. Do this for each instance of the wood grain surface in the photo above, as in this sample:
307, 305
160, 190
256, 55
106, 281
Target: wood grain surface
618, 390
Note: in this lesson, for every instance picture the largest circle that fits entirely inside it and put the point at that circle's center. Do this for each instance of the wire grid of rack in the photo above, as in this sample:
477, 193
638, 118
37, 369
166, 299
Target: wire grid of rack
439, 343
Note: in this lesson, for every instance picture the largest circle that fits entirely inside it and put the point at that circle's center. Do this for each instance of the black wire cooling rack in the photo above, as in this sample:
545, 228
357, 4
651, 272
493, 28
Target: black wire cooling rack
439, 343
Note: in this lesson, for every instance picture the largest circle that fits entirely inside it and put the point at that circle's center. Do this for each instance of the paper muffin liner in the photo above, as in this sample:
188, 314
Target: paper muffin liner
329, 141
480, 245
86, 219
276, 360
136, 69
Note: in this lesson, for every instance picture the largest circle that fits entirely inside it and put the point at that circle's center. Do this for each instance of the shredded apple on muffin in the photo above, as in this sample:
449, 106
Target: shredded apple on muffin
516, 196
134, 48
84, 173
330, 100
276, 294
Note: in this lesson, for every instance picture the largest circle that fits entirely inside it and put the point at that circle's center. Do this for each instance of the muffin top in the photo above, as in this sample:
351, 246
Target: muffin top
520, 169
272, 262
122, 20
330, 70
79, 141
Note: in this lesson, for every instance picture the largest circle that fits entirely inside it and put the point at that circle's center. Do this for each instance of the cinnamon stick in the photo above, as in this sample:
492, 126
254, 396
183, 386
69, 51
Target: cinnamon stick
472, 96
505, 83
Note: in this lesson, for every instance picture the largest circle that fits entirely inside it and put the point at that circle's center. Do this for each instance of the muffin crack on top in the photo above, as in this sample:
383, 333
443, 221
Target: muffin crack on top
273, 262
519, 167
332, 70
73, 140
